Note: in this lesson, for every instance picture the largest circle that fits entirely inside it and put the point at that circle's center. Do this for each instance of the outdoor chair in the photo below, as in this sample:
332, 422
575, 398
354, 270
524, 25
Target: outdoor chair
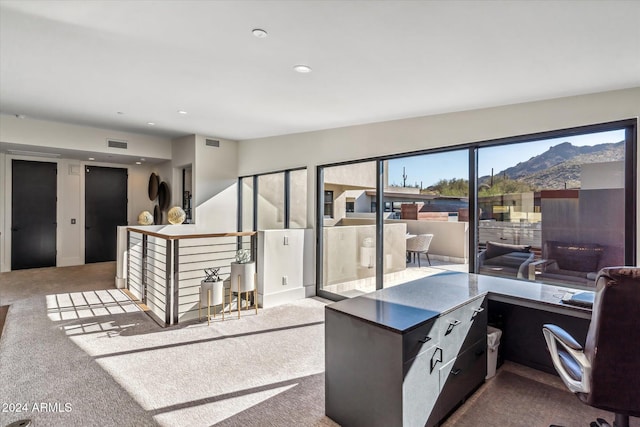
419, 245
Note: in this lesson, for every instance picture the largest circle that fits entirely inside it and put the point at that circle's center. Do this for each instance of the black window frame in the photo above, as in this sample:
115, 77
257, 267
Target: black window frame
631, 131
287, 197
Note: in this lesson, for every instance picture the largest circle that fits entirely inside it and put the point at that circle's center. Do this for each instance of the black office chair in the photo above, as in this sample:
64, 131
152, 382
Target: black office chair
606, 373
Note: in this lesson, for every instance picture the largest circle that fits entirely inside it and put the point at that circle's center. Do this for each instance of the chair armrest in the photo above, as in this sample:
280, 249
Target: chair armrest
543, 264
523, 270
553, 335
562, 335
481, 257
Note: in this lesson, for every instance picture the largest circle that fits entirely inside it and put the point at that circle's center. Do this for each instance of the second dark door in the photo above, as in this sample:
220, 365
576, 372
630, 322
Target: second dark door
105, 209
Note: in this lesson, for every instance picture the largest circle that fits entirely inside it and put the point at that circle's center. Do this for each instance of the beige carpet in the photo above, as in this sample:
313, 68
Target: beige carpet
77, 345
96, 353
522, 397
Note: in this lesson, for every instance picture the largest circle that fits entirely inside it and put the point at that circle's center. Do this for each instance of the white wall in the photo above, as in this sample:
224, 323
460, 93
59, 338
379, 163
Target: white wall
72, 137
215, 192
183, 154
280, 266
400, 136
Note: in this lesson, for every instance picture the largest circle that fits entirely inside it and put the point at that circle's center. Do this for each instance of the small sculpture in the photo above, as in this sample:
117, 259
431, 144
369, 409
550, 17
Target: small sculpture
211, 274
176, 215
145, 218
243, 256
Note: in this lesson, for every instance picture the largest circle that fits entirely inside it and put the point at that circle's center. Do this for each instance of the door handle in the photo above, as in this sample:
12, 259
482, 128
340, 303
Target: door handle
86, 227
15, 228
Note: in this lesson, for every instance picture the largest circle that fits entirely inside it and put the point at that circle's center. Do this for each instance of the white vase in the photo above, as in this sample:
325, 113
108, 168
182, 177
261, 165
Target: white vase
242, 276
217, 292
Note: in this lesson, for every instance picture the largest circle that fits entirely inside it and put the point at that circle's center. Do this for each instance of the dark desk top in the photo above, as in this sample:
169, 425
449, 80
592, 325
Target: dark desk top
403, 307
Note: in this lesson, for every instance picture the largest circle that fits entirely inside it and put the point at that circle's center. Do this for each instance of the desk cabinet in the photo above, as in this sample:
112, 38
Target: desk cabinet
382, 376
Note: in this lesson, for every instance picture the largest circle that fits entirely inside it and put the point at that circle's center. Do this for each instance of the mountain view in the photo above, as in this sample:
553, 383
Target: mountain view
560, 166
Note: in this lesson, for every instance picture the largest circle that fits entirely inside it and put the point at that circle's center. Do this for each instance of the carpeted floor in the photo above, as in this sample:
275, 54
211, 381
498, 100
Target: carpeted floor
76, 352
519, 396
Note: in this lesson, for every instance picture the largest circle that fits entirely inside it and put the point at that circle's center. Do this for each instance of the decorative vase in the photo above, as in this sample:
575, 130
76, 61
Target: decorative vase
242, 276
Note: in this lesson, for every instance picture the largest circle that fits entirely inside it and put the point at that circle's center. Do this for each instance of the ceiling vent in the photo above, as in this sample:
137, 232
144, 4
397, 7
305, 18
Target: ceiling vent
212, 142
114, 143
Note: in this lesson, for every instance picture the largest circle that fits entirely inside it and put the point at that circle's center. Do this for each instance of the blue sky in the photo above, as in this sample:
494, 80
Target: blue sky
431, 168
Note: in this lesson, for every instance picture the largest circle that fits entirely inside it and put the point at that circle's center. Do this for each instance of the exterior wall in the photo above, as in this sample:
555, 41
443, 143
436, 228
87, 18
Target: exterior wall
602, 175
356, 175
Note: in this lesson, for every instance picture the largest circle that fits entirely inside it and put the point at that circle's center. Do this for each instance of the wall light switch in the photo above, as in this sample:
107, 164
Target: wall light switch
285, 281
286, 240
73, 220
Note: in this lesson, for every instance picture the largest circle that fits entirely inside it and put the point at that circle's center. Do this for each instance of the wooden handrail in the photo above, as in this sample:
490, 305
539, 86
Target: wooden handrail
191, 236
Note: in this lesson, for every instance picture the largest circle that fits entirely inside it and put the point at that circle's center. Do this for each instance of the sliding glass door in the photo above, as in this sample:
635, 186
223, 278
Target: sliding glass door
426, 211
552, 208
348, 229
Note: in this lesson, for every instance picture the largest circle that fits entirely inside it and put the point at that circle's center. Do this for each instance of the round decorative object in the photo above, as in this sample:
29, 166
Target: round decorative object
145, 218
154, 183
157, 215
164, 196
176, 215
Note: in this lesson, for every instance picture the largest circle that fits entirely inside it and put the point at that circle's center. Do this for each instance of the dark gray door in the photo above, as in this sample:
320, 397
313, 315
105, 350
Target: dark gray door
105, 208
33, 214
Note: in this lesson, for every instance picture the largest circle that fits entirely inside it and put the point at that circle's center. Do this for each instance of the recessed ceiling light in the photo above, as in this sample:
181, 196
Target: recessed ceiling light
138, 163
20, 116
151, 124
302, 68
182, 112
91, 158
120, 112
259, 33
142, 159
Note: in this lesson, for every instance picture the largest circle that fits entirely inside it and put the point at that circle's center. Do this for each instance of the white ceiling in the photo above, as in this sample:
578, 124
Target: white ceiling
84, 61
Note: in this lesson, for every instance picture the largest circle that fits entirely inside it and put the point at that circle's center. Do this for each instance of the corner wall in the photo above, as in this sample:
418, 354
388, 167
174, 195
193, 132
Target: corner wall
215, 178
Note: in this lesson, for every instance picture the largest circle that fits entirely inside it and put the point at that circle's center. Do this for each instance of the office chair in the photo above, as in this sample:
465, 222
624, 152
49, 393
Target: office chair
605, 373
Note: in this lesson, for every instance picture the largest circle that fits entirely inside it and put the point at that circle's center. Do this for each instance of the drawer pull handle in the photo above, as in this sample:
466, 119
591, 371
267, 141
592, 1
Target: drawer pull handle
477, 311
426, 338
456, 371
436, 358
452, 324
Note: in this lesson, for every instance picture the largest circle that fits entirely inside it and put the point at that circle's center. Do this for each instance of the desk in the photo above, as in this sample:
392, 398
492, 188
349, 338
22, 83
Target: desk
391, 360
